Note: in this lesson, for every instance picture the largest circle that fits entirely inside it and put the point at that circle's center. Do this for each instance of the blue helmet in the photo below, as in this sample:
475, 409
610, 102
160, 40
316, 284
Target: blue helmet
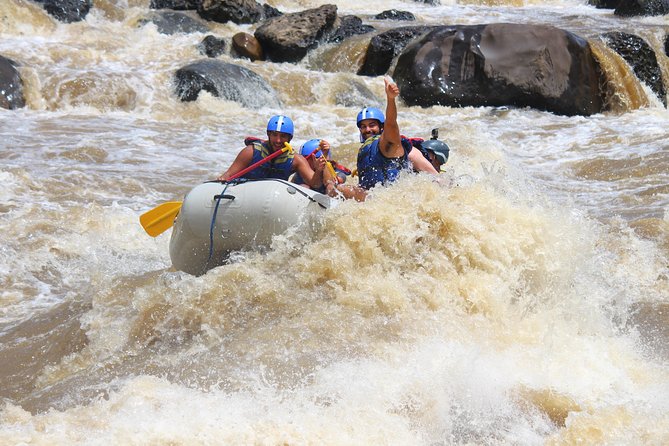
309, 147
370, 113
280, 123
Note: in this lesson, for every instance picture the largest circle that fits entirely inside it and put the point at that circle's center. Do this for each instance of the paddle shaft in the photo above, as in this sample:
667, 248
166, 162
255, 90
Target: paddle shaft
327, 163
258, 163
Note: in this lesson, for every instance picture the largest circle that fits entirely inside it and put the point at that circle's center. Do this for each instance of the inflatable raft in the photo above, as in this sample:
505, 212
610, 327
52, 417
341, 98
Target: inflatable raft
217, 219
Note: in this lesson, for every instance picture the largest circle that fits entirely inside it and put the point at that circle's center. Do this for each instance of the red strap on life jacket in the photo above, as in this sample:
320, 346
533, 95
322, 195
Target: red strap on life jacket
415, 142
251, 139
341, 167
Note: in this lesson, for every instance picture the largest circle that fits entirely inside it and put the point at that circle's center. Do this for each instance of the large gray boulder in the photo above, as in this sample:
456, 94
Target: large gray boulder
386, 46
501, 64
11, 86
227, 81
288, 38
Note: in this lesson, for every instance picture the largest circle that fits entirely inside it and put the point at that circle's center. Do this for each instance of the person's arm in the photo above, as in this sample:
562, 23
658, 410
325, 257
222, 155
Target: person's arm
243, 160
348, 191
311, 177
390, 144
420, 163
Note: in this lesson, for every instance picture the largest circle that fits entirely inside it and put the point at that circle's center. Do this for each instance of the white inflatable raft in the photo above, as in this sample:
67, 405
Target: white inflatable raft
217, 219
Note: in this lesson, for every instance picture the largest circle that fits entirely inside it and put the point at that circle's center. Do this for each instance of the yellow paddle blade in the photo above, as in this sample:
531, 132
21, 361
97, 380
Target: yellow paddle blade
160, 219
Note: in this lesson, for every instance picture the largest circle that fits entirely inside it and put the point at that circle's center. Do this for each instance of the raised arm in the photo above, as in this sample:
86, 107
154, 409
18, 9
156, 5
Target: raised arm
391, 142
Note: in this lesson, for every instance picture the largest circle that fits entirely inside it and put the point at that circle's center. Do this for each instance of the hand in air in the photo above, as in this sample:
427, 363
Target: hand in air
325, 147
392, 91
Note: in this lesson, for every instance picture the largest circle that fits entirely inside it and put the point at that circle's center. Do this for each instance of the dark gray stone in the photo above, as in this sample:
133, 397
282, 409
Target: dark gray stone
11, 85
630, 8
288, 38
384, 47
225, 80
394, 14
501, 64
641, 57
212, 46
174, 22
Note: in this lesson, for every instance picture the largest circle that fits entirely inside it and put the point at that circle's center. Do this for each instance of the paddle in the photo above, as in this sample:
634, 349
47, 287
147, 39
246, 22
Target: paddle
161, 218
327, 163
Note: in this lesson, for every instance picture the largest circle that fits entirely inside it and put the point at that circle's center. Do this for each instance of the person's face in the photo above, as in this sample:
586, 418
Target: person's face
434, 160
369, 128
277, 140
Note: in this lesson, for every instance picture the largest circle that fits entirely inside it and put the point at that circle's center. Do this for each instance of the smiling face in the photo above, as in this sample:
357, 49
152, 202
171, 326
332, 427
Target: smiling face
369, 128
277, 140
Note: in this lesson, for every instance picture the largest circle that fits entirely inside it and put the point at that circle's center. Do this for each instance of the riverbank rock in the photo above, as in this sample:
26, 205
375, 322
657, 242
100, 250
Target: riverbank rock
384, 48
501, 64
236, 11
641, 57
11, 85
289, 37
227, 81
67, 11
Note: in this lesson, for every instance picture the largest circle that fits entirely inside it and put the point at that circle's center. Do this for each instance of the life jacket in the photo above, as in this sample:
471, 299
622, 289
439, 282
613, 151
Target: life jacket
418, 143
341, 171
374, 168
280, 167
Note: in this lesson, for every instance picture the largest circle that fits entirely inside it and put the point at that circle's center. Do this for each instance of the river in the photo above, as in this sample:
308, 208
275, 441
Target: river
523, 301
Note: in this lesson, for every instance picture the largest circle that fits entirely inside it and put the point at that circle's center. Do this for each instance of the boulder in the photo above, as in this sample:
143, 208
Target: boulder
630, 8
11, 85
641, 57
604, 4
384, 47
227, 81
174, 22
67, 11
535, 66
236, 11
179, 5
289, 37
212, 46
394, 14
245, 45
349, 25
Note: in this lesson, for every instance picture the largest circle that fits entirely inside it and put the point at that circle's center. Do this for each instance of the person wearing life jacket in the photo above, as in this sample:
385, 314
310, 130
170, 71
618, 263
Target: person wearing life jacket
384, 152
315, 149
279, 132
436, 152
